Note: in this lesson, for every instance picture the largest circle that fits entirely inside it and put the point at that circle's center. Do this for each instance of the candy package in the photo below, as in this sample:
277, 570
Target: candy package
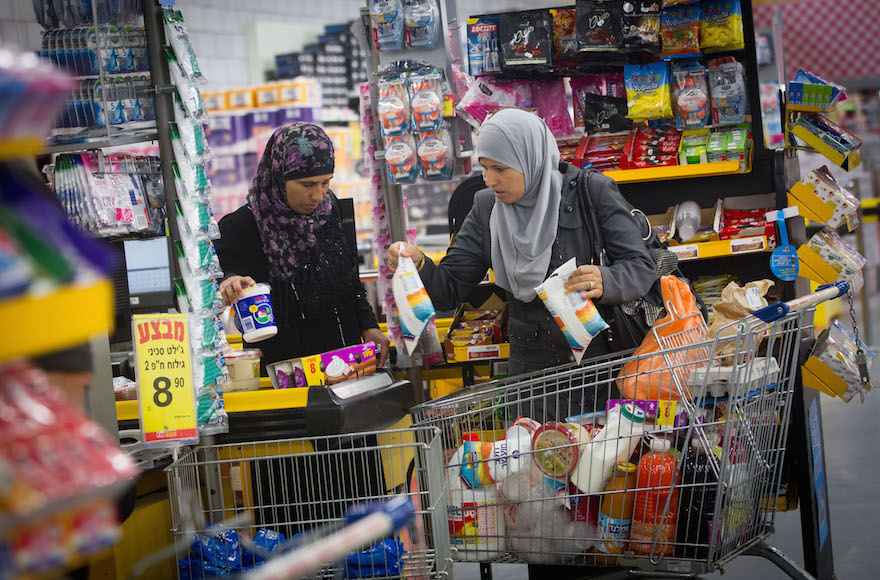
400, 157
647, 91
565, 40
436, 161
526, 40
594, 88
548, 97
486, 96
680, 32
651, 148
484, 53
598, 25
640, 26
393, 106
422, 20
721, 26
690, 95
727, 84
577, 317
426, 100
386, 17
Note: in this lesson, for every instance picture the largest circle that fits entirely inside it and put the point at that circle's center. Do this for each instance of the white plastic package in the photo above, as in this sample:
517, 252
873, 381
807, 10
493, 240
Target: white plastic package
413, 303
175, 29
192, 134
189, 93
422, 19
387, 23
577, 317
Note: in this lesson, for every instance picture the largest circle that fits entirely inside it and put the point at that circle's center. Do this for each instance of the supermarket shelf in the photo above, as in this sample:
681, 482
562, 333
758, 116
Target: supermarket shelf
116, 140
19, 148
674, 172
721, 249
64, 318
807, 109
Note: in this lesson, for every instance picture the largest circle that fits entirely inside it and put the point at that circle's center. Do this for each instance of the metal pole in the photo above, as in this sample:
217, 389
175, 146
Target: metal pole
155, 30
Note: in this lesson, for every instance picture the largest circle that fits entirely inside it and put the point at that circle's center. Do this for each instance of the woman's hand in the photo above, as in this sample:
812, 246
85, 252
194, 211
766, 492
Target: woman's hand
376, 335
232, 287
405, 250
587, 280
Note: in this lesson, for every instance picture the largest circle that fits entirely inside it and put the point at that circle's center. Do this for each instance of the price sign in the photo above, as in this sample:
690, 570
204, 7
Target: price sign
166, 397
313, 370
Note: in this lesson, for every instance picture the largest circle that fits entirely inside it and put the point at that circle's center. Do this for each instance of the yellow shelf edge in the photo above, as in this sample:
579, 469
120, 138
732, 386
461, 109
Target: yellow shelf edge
20, 148
674, 172
69, 316
721, 248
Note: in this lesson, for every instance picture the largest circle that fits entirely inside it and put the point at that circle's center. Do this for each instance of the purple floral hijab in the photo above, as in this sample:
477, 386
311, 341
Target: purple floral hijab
294, 151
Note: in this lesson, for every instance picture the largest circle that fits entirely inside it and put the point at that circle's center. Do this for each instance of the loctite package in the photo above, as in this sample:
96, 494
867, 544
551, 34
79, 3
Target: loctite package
598, 25
434, 149
393, 105
426, 99
640, 26
484, 54
526, 40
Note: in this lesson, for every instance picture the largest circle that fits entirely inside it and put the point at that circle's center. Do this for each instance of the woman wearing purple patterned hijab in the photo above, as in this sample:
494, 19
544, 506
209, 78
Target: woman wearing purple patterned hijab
290, 235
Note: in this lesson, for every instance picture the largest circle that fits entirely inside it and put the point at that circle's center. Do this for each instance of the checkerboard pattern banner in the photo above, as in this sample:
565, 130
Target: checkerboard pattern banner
835, 39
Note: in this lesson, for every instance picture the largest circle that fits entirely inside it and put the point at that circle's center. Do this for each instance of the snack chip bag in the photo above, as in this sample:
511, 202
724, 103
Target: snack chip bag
640, 26
598, 25
413, 303
526, 40
393, 106
647, 91
400, 156
565, 40
721, 26
680, 32
577, 317
435, 155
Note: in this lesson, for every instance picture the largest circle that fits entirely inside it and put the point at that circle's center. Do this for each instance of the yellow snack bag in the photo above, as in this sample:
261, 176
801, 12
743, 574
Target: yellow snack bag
721, 26
648, 92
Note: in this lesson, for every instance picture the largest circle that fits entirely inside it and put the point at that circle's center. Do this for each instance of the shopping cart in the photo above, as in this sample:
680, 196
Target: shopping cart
306, 489
677, 479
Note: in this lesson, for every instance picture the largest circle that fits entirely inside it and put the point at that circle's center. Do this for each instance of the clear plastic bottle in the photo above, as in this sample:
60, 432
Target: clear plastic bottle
657, 471
687, 220
615, 442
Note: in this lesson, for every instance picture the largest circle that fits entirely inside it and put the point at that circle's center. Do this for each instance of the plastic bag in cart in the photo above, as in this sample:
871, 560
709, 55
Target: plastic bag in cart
647, 378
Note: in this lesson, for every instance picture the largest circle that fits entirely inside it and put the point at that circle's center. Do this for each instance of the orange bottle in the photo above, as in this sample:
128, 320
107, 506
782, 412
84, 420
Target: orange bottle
616, 513
657, 471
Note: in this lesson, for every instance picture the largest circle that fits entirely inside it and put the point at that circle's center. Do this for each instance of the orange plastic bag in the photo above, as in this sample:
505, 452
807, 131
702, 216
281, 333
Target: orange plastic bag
648, 379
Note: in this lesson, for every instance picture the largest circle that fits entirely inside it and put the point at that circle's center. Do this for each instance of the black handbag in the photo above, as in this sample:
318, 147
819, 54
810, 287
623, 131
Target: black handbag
628, 323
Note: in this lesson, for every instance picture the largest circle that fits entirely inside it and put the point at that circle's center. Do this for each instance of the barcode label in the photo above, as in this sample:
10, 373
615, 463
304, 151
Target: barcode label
140, 222
247, 324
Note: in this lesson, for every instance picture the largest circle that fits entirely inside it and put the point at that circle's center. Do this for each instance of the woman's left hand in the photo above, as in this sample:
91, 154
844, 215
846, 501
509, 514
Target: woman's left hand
376, 335
587, 280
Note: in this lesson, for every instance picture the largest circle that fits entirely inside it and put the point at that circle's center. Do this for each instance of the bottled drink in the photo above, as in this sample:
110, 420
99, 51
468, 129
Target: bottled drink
615, 442
699, 487
657, 471
616, 513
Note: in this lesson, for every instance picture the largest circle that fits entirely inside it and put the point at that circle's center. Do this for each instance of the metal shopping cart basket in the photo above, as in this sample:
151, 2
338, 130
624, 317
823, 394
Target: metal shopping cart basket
675, 477
302, 488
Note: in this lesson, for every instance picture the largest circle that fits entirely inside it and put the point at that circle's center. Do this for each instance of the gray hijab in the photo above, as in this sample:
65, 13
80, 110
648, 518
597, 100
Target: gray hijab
523, 232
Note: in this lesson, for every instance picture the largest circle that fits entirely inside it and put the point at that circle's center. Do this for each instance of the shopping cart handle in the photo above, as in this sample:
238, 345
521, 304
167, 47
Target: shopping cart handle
822, 293
399, 508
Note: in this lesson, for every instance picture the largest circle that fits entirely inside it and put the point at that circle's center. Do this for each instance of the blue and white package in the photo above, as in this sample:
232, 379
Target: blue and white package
484, 54
387, 24
221, 550
254, 313
380, 559
413, 303
421, 18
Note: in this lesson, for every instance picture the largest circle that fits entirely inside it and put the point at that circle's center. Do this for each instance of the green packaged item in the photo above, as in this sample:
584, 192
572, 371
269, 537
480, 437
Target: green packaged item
694, 147
716, 149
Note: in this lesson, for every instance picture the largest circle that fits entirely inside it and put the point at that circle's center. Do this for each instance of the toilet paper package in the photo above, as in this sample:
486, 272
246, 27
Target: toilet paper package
413, 303
576, 316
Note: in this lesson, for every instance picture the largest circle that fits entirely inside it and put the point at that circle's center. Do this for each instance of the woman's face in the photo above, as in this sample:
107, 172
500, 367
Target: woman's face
304, 195
508, 184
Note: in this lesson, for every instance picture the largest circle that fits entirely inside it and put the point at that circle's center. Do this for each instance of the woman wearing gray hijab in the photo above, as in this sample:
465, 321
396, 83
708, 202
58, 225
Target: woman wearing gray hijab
525, 225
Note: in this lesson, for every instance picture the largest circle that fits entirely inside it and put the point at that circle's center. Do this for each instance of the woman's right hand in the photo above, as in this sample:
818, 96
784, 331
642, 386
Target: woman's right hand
405, 250
232, 287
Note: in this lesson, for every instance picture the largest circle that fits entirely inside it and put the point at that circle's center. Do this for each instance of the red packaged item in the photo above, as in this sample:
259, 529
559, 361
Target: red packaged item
651, 148
565, 41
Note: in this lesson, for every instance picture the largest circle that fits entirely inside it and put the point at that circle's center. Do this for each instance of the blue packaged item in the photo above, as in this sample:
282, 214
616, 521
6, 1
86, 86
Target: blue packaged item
484, 53
254, 313
194, 568
435, 155
422, 19
221, 551
268, 541
387, 23
381, 559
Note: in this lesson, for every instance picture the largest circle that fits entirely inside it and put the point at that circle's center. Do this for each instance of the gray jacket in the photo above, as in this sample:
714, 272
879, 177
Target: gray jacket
630, 276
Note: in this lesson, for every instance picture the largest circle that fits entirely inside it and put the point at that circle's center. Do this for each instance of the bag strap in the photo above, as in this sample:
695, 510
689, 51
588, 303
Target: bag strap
588, 215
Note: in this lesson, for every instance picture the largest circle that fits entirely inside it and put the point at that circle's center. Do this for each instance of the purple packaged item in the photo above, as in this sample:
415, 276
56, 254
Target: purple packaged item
289, 115
225, 170
667, 413
290, 374
226, 129
349, 363
261, 121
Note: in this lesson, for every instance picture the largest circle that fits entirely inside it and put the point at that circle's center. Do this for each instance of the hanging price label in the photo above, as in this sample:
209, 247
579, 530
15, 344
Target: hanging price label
166, 397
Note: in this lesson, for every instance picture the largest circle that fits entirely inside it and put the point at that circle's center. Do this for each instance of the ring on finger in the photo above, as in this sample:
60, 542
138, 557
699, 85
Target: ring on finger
592, 284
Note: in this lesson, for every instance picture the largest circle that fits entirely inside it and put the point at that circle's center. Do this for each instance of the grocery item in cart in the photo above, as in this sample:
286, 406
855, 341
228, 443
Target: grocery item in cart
475, 469
554, 449
476, 523
697, 499
577, 317
651, 518
649, 378
616, 513
254, 314
615, 442
413, 303
737, 302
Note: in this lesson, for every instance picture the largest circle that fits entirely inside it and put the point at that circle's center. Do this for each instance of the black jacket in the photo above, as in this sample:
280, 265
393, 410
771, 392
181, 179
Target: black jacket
241, 253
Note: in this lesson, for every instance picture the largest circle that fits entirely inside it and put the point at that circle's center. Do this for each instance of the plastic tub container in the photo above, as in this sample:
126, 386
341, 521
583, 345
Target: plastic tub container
254, 314
244, 370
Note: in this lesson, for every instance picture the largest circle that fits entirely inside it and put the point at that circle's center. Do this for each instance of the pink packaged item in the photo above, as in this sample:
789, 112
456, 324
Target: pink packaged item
347, 363
487, 96
548, 97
